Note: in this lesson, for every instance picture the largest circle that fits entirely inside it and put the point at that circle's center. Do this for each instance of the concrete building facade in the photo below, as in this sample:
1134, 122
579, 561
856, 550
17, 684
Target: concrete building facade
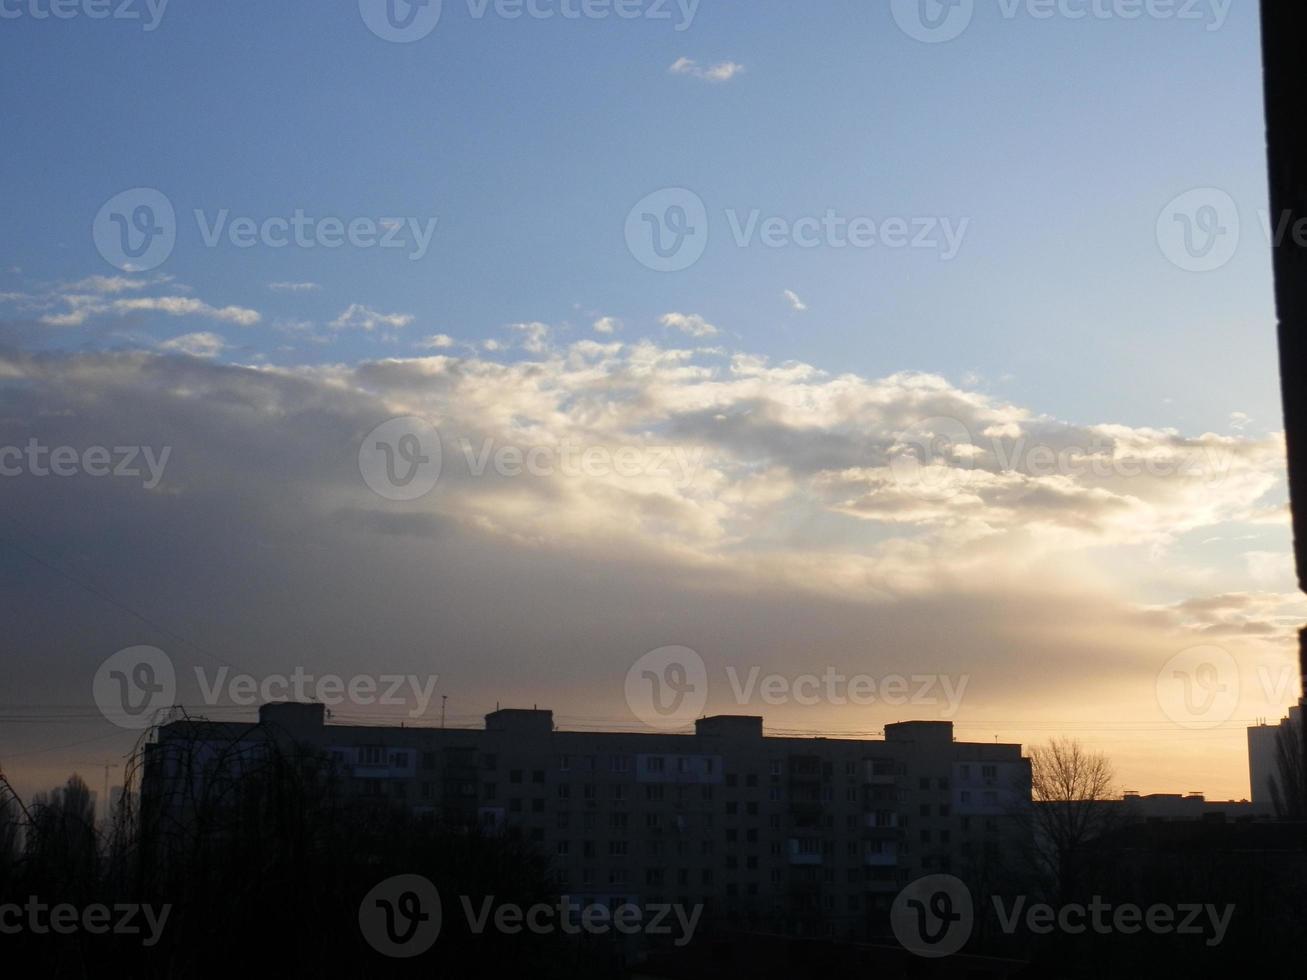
788, 834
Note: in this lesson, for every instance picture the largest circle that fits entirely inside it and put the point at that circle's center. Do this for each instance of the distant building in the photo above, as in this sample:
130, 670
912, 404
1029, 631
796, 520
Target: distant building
791, 834
1165, 807
1263, 765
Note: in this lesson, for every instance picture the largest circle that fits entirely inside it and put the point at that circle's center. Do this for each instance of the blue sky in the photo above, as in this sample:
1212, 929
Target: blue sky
791, 377
530, 139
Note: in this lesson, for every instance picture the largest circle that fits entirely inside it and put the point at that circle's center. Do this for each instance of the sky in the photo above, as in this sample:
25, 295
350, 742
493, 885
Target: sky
905, 340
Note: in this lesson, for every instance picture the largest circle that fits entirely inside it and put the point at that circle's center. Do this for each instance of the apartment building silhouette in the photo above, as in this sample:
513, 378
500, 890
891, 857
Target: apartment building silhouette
793, 834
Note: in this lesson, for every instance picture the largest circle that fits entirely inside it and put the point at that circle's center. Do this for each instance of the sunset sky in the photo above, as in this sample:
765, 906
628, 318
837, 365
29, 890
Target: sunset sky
1103, 483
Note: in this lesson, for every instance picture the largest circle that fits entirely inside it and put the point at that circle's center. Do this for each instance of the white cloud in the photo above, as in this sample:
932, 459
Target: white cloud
196, 344
186, 306
723, 71
112, 284
796, 304
436, 341
770, 495
360, 317
294, 287
689, 323
535, 336
82, 307
607, 325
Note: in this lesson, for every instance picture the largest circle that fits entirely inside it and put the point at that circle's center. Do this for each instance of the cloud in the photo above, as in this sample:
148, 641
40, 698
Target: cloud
83, 307
359, 317
691, 324
113, 284
535, 336
723, 71
796, 304
436, 341
196, 344
792, 503
294, 287
607, 325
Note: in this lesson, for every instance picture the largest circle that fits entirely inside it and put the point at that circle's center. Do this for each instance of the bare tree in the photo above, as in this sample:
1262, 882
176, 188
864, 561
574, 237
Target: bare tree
1072, 802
